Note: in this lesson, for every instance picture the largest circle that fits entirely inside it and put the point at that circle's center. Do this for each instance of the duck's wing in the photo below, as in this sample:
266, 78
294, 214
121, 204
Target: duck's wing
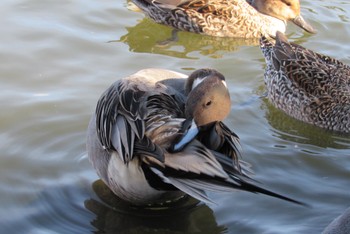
219, 138
195, 170
213, 7
172, 4
319, 76
222, 8
160, 5
289, 50
120, 114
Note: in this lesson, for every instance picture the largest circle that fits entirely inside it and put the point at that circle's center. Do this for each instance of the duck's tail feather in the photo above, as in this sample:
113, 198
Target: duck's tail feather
243, 181
197, 187
247, 186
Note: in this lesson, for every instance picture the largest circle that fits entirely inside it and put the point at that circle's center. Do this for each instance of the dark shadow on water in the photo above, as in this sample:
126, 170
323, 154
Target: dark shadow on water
150, 37
291, 129
114, 215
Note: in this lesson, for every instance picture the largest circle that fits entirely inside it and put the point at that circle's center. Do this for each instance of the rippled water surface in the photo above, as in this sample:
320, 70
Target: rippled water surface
56, 59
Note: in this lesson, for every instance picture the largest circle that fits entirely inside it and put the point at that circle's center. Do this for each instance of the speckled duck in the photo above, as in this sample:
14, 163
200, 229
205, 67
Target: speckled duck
226, 18
307, 85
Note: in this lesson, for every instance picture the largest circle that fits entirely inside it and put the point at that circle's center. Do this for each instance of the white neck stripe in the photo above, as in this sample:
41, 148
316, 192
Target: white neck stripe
197, 81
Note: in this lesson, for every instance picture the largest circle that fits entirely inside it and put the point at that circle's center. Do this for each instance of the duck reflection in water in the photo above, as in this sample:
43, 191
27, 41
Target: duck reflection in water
293, 130
149, 37
114, 215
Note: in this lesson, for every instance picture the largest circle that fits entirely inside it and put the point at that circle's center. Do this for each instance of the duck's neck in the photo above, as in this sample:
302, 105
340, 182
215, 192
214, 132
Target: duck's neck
270, 23
262, 8
252, 3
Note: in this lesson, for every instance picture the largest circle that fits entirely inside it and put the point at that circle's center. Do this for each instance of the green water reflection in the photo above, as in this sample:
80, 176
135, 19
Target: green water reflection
149, 37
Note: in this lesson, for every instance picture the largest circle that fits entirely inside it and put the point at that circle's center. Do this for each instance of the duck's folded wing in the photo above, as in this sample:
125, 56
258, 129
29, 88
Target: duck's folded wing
243, 169
321, 83
288, 50
195, 170
166, 5
201, 6
316, 74
218, 137
119, 120
230, 143
171, 4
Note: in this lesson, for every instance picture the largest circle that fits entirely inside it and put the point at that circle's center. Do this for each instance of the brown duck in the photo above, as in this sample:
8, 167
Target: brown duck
307, 85
226, 18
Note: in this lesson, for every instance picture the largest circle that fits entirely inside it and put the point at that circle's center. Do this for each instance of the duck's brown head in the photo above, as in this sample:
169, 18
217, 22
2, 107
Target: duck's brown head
208, 101
286, 10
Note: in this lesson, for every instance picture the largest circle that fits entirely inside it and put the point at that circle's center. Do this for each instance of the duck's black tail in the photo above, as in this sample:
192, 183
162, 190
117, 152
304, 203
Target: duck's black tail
244, 182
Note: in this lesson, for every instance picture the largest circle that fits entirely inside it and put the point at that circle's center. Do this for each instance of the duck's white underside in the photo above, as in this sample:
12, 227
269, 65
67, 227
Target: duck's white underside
128, 180
129, 183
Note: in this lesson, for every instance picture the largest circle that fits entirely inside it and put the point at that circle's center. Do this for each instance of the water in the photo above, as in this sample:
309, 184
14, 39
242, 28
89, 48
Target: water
56, 59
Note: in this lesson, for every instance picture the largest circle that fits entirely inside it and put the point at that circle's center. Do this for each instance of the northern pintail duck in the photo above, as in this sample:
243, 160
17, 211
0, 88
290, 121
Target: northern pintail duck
307, 85
226, 18
156, 136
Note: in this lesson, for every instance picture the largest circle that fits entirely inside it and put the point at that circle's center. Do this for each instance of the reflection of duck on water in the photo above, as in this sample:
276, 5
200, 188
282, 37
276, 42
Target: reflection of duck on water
149, 37
114, 215
290, 129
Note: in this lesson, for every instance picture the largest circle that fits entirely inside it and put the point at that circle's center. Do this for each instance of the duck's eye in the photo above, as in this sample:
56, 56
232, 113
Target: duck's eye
208, 103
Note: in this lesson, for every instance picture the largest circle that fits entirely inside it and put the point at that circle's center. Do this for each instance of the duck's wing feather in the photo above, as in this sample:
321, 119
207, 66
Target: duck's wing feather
120, 114
196, 169
319, 76
218, 137
158, 5
171, 4
288, 50
217, 7
193, 170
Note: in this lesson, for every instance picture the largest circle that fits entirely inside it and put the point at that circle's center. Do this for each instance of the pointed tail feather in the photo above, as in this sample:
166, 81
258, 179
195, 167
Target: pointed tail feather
256, 189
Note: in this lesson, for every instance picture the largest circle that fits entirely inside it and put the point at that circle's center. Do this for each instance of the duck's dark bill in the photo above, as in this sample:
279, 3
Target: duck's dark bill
299, 21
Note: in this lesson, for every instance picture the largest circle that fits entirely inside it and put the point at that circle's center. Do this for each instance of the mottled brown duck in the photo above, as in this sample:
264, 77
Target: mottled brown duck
226, 18
307, 85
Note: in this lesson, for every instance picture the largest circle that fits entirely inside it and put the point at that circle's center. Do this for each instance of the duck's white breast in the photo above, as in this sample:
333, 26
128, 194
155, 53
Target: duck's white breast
128, 180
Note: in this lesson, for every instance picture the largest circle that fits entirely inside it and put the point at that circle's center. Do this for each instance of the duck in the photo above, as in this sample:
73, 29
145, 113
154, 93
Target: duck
157, 135
340, 225
307, 85
226, 18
